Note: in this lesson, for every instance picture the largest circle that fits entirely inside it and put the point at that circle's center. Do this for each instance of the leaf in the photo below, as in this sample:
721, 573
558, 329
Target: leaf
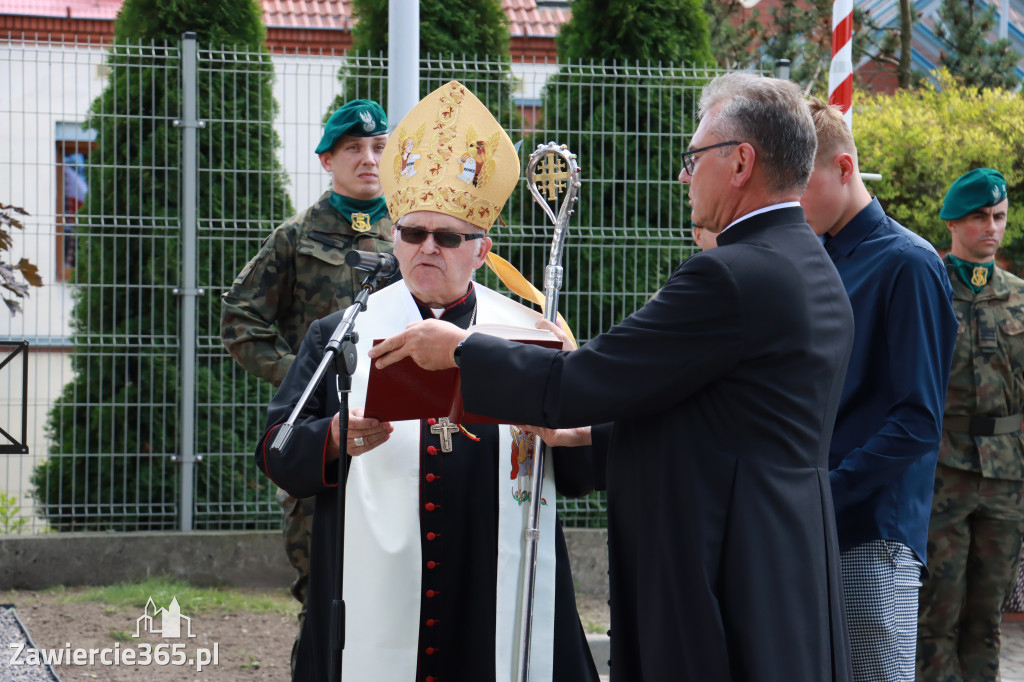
16, 288
30, 272
16, 209
6, 274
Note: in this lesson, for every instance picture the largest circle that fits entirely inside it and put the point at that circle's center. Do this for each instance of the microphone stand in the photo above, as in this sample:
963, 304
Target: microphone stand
340, 353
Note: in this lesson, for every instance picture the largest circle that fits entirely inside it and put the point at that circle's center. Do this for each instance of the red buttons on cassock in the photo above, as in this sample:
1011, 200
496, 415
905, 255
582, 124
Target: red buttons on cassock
431, 421
431, 622
433, 564
432, 450
432, 477
431, 678
430, 506
430, 650
433, 536
432, 593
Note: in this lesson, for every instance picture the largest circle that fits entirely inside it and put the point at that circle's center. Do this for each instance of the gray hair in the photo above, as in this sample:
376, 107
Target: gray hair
771, 115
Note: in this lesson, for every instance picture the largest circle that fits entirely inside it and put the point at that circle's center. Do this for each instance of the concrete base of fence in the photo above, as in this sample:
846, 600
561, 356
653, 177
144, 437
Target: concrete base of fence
237, 559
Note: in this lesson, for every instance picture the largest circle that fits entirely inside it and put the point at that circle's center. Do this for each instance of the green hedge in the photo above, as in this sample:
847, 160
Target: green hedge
922, 140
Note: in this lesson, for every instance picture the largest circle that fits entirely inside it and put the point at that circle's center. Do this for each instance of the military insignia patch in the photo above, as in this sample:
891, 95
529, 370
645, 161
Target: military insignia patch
979, 277
360, 222
368, 123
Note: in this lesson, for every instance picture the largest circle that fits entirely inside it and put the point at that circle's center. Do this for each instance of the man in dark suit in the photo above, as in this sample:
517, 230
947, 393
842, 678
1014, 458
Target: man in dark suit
714, 406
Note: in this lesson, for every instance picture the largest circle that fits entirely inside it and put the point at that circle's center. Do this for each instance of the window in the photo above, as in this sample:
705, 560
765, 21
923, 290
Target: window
73, 146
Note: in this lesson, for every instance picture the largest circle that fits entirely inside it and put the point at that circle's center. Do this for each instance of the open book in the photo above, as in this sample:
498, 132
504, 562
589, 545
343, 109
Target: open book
405, 390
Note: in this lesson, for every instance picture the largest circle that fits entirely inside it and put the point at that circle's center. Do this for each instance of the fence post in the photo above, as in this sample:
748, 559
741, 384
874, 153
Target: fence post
782, 69
188, 290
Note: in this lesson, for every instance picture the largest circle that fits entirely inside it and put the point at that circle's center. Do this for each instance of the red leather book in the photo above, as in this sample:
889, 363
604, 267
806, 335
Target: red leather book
405, 390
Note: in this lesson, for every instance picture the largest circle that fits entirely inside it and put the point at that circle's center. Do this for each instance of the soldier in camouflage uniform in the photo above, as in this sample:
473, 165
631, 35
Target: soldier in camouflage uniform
299, 275
977, 521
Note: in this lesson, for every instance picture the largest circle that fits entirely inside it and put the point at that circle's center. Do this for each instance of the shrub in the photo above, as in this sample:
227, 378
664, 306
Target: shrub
922, 140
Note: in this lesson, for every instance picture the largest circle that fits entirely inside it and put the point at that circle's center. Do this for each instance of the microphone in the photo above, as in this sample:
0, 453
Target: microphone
380, 264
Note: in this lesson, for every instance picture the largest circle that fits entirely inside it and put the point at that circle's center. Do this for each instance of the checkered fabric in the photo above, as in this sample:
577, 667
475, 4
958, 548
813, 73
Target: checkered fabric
881, 580
1016, 602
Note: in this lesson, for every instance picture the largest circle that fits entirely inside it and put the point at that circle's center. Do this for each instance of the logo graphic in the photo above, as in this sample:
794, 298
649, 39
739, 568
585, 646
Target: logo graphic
163, 622
170, 621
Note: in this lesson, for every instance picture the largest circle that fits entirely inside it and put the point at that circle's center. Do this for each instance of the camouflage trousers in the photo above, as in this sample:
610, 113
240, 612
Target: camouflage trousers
297, 531
974, 543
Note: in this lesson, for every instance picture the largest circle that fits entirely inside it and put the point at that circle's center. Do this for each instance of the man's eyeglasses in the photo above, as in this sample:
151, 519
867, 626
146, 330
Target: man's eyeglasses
688, 160
447, 240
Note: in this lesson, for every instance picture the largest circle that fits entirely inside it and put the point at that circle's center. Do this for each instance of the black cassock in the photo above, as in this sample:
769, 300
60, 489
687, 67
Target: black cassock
715, 404
458, 535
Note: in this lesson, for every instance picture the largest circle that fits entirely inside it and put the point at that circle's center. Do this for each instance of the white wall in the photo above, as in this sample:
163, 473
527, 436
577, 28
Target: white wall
304, 86
45, 86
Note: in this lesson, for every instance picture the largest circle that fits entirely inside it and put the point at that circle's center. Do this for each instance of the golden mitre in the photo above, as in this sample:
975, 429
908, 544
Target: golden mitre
449, 155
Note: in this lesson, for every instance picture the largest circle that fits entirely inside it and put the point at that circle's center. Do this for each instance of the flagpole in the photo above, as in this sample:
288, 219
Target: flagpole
840, 73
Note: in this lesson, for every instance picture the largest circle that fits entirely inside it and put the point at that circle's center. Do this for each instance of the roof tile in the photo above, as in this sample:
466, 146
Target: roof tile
525, 18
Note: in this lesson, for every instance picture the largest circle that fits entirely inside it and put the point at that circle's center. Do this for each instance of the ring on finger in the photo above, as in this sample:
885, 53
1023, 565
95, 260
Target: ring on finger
358, 440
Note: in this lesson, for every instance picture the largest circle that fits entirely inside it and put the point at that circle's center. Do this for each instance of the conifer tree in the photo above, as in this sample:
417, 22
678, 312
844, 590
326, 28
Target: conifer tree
450, 31
801, 31
732, 33
964, 28
114, 431
618, 102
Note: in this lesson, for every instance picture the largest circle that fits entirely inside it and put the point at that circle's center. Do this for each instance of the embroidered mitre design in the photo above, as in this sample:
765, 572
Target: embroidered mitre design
450, 155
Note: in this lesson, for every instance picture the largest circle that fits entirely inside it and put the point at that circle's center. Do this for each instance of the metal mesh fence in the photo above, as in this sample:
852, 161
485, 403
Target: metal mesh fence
93, 143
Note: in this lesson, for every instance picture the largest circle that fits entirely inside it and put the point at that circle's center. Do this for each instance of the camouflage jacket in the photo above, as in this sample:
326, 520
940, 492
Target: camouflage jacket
987, 376
298, 276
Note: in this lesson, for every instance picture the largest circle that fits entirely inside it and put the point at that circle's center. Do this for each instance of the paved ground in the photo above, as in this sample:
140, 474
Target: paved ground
53, 620
1012, 652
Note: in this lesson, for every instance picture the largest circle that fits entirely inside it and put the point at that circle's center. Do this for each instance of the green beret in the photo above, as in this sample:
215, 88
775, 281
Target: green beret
360, 118
975, 189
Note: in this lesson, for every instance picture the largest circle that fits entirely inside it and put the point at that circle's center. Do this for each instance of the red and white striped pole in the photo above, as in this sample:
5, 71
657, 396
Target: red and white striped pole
840, 73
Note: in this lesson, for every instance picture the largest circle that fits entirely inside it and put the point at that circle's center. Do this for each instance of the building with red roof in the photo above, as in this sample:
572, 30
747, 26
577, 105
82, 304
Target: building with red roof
292, 25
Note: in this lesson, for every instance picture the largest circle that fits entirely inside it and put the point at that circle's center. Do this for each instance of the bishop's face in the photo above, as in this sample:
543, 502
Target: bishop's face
436, 275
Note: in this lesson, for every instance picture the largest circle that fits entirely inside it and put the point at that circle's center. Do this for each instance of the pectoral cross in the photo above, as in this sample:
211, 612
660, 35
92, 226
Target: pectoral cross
551, 175
445, 429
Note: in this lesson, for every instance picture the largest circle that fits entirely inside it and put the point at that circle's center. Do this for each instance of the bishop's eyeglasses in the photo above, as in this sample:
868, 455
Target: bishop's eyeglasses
689, 161
446, 240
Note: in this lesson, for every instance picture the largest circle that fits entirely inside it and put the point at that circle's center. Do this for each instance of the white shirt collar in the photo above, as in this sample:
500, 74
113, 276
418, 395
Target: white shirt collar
773, 207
